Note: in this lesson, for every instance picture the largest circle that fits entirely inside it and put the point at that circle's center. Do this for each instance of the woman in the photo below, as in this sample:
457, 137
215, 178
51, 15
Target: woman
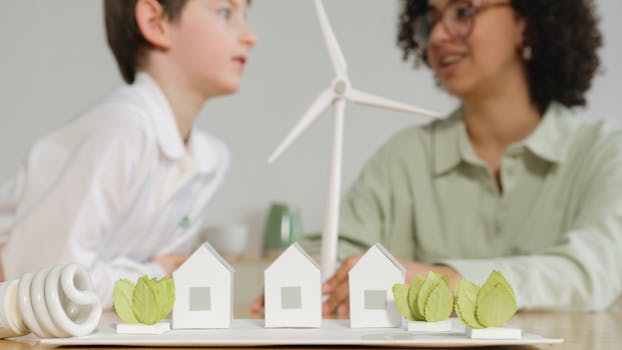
513, 180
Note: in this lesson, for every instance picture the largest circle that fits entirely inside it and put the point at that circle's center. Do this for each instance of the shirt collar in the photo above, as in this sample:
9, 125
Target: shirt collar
162, 116
200, 150
205, 153
450, 143
548, 141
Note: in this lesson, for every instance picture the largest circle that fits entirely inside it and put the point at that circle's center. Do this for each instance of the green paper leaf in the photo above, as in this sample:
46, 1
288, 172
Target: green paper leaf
431, 282
148, 302
153, 299
496, 302
165, 297
466, 298
497, 277
144, 303
413, 295
122, 300
439, 303
400, 294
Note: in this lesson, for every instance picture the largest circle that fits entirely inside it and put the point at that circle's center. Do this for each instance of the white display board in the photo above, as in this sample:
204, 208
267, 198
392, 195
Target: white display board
251, 332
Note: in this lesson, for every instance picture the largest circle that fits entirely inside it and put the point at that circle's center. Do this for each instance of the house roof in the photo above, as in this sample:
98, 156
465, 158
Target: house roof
302, 252
222, 260
390, 256
218, 257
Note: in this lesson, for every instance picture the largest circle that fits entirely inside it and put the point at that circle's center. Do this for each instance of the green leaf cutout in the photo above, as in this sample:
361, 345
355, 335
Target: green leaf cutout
400, 294
496, 302
446, 279
413, 295
466, 297
425, 300
439, 303
497, 277
165, 297
148, 302
431, 282
122, 300
144, 301
430, 299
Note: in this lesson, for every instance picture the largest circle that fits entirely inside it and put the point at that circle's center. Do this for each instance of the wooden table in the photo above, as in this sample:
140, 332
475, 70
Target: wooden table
581, 331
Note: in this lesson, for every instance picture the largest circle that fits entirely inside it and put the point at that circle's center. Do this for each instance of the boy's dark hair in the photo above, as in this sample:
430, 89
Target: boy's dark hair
125, 39
563, 35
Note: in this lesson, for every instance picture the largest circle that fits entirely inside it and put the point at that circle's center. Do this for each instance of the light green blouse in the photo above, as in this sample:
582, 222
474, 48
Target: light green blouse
555, 231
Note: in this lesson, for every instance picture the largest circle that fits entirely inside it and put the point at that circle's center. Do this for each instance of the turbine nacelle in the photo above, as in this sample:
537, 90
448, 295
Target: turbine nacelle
341, 86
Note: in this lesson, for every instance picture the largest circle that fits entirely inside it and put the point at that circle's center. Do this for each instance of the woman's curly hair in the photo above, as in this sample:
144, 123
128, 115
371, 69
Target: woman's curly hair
564, 37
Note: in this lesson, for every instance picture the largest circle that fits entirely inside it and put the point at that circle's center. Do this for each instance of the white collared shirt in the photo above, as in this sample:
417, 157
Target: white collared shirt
110, 190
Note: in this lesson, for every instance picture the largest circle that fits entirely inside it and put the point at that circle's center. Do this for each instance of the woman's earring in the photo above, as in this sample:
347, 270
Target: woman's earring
527, 52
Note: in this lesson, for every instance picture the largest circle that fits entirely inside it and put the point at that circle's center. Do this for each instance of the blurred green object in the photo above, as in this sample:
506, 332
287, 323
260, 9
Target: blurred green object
284, 227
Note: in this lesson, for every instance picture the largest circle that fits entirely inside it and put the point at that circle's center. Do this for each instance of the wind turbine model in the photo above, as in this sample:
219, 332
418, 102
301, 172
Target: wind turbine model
338, 91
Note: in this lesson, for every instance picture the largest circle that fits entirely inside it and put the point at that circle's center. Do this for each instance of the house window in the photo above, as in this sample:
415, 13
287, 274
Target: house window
291, 298
375, 299
200, 299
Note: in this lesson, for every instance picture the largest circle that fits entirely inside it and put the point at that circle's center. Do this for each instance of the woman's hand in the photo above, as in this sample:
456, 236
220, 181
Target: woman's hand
169, 262
414, 268
257, 305
338, 289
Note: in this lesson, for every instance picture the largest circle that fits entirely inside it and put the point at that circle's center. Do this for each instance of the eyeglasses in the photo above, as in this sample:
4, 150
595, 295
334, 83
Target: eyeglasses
457, 18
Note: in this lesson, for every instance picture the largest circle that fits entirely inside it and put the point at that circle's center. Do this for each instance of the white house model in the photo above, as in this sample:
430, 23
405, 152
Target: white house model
292, 290
371, 289
203, 291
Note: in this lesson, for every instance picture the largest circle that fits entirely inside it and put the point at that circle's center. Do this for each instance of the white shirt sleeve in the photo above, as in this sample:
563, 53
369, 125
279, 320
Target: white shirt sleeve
72, 192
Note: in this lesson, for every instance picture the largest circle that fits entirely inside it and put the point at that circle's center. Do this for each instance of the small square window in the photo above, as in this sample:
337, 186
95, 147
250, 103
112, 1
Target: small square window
200, 299
291, 298
375, 299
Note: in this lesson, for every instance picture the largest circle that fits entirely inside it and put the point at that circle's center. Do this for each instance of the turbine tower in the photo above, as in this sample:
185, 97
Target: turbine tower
336, 94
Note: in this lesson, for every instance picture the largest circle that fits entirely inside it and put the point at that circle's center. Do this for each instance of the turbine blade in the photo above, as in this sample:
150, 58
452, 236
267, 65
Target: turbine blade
336, 56
381, 102
320, 103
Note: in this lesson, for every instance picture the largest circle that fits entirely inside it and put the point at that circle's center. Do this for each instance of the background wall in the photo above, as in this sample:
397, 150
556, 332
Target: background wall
55, 63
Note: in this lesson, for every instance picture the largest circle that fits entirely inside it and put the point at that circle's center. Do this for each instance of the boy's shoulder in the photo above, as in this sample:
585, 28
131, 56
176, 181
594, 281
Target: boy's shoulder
130, 110
138, 117
144, 107
117, 114
119, 121
126, 107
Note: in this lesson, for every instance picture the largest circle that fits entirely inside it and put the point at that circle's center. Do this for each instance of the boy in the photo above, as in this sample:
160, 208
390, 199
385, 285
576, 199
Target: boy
123, 189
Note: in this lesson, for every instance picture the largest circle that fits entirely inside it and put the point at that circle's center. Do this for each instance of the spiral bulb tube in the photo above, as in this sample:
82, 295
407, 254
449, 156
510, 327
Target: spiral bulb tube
55, 302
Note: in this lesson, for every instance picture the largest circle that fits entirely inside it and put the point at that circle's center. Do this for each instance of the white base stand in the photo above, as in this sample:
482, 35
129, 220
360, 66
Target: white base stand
428, 327
494, 333
245, 333
138, 328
